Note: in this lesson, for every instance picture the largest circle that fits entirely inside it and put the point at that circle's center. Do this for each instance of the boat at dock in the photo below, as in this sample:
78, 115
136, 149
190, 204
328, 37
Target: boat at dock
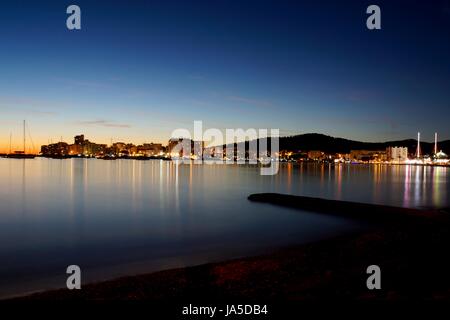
21, 154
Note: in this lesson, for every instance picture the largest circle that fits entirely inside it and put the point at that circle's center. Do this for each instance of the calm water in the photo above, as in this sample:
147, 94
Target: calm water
123, 217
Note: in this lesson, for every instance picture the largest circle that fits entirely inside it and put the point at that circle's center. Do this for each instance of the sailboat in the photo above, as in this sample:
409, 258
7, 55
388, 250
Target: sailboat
21, 154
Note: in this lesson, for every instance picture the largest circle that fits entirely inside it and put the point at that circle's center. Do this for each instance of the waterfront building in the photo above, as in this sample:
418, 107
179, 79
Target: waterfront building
367, 155
175, 147
441, 158
397, 154
55, 149
179, 147
93, 149
75, 149
315, 155
81, 146
150, 149
119, 148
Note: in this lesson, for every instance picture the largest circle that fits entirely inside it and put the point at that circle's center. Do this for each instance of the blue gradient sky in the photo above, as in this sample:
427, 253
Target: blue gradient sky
140, 69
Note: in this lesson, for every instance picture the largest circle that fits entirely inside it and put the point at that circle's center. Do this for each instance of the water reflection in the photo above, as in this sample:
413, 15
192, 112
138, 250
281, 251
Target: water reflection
150, 214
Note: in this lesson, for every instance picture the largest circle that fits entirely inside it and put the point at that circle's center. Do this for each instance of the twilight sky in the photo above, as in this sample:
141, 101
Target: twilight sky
140, 69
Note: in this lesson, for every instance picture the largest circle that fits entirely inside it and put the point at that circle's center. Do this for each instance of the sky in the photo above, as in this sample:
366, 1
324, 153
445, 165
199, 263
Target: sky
137, 70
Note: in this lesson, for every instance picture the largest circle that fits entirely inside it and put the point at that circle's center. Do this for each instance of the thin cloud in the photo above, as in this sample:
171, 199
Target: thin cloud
41, 112
104, 123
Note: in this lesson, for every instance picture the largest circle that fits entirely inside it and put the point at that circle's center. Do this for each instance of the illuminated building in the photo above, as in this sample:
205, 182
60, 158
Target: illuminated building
315, 155
55, 149
367, 155
397, 154
150, 149
184, 147
75, 149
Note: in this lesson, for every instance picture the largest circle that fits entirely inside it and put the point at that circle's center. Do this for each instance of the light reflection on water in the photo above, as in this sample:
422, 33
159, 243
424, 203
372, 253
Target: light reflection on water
125, 216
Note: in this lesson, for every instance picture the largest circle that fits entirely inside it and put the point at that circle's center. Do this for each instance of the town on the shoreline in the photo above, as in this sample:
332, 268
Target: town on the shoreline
82, 147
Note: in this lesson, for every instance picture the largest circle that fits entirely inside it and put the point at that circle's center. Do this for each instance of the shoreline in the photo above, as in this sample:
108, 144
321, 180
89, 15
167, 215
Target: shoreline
408, 244
145, 158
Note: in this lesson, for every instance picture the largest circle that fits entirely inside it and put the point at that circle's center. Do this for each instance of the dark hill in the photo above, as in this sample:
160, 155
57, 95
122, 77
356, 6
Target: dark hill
317, 141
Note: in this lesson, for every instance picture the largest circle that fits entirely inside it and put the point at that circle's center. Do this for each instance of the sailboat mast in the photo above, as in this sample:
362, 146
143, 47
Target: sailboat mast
10, 142
435, 143
418, 145
24, 137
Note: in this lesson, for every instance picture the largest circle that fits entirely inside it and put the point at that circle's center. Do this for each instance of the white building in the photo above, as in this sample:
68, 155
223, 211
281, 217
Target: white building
441, 158
397, 154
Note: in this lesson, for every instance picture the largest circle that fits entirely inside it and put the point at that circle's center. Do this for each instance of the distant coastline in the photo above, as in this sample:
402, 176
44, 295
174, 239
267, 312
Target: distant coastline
143, 158
310, 146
